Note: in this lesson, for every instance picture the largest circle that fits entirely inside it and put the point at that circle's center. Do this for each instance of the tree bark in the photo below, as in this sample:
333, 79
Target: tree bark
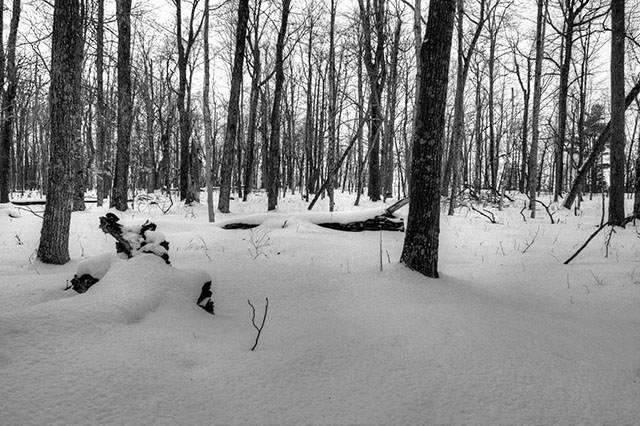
119, 194
233, 109
535, 107
374, 62
206, 112
273, 156
64, 110
617, 187
101, 131
8, 104
333, 88
420, 250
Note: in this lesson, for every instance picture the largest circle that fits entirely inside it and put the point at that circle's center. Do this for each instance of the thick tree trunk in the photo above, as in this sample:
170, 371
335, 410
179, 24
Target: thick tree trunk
119, 194
420, 250
616, 190
64, 109
233, 109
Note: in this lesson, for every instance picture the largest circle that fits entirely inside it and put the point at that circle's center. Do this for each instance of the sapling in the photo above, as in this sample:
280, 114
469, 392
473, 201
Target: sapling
253, 320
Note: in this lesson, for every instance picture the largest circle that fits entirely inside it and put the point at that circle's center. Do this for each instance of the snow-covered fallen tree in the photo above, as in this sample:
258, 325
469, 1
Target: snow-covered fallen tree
381, 218
133, 240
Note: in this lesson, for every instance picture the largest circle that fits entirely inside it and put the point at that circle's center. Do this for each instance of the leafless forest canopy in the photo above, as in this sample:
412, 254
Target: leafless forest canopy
324, 102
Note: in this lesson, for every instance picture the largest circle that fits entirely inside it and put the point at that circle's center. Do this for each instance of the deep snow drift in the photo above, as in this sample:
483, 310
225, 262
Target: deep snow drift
503, 337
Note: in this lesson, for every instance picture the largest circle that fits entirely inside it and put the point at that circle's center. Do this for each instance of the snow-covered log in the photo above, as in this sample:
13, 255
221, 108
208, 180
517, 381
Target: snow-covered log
382, 218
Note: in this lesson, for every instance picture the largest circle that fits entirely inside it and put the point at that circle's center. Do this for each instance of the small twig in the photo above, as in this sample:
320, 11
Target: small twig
253, 320
548, 211
30, 210
608, 242
533, 240
524, 206
599, 280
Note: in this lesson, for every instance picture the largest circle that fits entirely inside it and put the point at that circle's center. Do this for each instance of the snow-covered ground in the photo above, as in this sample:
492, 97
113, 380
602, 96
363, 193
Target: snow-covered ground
508, 335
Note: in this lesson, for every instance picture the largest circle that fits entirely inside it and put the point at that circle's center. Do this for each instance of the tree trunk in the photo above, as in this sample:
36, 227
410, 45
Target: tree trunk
535, 107
233, 109
64, 110
119, 194
374, 62
252, 123
420, 250
8, 105
451, 173
598, 147
273, 156
388, 160
206, 112
616, 190
101, 132
333, 87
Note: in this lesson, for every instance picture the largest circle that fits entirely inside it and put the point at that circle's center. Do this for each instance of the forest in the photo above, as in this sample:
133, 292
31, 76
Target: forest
312, 97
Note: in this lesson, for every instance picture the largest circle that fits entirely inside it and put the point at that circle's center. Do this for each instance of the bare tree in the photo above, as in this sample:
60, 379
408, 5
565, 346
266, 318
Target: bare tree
206, 112
233, 108
374, 62
273, 156
64, 110
189, 189
119, 193
616, 190
535, 107
8, 103
420, 250
464, 62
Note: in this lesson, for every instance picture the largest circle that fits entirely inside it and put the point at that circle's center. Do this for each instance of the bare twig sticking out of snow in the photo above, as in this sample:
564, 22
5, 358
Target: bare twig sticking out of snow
258, 240
491, 218
253, 320
599, 281
533, 240
204, 245
30, 210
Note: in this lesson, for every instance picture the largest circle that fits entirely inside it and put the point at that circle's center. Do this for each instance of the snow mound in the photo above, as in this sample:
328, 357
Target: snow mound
8, 210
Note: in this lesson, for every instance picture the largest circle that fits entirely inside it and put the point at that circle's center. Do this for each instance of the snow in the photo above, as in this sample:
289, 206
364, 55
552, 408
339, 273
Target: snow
503, 337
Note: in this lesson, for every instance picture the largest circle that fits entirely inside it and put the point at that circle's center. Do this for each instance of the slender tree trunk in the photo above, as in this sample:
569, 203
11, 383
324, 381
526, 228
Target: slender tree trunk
119, 194
388, 161
451, 176
333, 87
233, 109
374, 62
273, 157
206, 112
535, 108
420, 250
8, 105
101, 132
64, 110
616, 190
